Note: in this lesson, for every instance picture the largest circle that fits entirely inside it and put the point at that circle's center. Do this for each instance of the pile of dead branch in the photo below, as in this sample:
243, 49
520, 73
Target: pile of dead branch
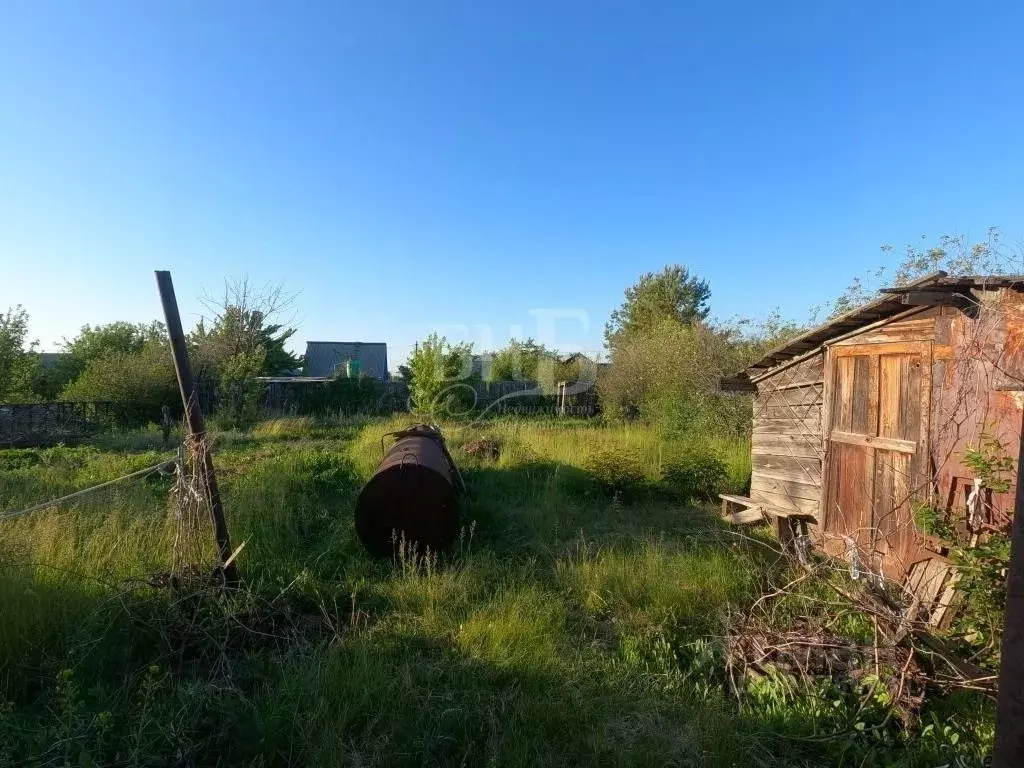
902, 654
810, 655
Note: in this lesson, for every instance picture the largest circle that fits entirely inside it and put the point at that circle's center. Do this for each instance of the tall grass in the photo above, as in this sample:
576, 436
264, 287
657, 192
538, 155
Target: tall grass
568, 627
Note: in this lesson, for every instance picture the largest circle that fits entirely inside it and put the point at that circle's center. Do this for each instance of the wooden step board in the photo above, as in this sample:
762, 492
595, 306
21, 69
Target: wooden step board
740, 510
745, 517
743, 510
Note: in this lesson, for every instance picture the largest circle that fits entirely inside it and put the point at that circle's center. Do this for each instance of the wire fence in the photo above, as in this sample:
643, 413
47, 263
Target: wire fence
189, 504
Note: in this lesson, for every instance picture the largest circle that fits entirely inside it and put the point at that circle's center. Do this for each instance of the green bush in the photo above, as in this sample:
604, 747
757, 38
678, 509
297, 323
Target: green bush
695, 474
615, 470
438, 374
141, 383
241, 394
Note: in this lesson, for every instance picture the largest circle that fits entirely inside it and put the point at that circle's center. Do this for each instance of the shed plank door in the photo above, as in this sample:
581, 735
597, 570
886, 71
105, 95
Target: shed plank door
877, 452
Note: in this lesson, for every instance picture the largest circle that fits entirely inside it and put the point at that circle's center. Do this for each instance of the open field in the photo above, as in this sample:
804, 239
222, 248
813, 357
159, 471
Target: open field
570, 626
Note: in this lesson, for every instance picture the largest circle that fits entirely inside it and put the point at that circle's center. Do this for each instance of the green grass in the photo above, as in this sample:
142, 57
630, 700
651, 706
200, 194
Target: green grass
569, 626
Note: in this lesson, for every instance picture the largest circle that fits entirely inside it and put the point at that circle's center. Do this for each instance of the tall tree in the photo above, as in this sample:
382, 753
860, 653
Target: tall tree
520, 360
953, 254
18, 361
672, 294
246, 321
117, 338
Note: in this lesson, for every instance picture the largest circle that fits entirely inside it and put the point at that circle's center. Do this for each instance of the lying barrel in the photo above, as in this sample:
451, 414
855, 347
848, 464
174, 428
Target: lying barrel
412, 497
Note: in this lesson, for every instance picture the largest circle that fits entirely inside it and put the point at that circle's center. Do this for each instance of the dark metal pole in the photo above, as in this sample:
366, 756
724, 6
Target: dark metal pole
1009, 752
194, 419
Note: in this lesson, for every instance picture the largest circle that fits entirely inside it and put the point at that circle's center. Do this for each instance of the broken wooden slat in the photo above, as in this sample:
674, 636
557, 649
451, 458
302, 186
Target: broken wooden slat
745, 516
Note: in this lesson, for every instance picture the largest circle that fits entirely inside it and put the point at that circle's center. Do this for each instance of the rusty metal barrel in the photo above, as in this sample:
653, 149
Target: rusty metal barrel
412, 498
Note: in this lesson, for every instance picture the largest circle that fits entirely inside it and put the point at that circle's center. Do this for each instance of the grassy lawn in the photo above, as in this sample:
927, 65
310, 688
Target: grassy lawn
570, 626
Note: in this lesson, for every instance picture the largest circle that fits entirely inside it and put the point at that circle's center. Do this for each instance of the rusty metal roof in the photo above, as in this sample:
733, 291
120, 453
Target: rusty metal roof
889, 303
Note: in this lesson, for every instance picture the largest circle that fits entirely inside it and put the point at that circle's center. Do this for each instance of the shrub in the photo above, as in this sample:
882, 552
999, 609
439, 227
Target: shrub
141, 383
241, 395
669, 377
437, 373
695, 474
615, 471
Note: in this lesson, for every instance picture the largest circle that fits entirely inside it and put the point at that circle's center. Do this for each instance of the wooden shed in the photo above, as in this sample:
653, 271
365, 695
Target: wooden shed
863, 422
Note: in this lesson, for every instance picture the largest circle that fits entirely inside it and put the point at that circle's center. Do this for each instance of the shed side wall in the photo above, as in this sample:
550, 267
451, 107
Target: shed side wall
787, 445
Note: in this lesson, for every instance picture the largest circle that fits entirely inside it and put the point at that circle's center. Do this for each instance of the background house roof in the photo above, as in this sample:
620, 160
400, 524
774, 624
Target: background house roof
324, 357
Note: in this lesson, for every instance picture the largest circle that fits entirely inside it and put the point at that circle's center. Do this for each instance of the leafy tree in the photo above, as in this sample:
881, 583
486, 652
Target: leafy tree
93, 343
753, 338
672, 294
241, 396
437, 372
668, 375
19, 364
576, 368
120, 336
141, 381
522, 361
245, 323
953, 254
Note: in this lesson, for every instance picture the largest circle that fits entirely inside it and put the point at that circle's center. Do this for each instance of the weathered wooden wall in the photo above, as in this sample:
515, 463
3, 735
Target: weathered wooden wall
786, 446
879, 420
877, 446
978, 391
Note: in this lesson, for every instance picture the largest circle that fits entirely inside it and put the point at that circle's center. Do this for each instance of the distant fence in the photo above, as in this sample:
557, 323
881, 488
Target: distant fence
28, 424
306, 396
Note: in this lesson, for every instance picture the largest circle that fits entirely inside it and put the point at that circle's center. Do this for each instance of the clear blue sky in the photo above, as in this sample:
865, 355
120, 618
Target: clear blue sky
406, 166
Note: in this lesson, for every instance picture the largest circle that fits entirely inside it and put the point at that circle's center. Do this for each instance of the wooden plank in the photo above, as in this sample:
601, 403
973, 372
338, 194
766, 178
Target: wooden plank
785, 503
842, 402
872, 420
812, 411
769, 387
883, 336
788, 423
789, 477
745, 501
920, 327
945, 602
926, 580
801, 396
938, 299
921, 467
849, 493
829, 376
897, 348
791, 488
863, 394
891, 374
786, 445
882, 443
909, 426
792, 466
891, 517
745, 516
809, 430
943, 326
